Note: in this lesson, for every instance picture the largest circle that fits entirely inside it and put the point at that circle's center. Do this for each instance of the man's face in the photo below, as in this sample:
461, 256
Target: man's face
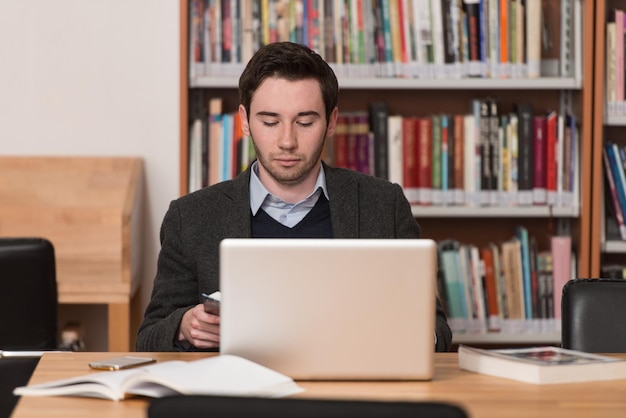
287, 123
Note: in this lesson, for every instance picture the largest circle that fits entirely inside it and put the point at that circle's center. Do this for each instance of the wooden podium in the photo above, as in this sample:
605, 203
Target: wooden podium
88, 207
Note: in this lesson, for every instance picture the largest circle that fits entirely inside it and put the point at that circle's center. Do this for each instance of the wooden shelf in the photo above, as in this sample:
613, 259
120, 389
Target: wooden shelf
614, 247
373, 83
616, 120
496, 212
88, 208
498, 338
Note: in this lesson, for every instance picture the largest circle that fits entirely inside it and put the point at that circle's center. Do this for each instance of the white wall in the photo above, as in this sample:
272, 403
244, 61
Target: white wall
95, 77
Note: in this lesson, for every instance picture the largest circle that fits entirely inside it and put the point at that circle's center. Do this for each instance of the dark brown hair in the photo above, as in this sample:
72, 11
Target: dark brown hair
292, 62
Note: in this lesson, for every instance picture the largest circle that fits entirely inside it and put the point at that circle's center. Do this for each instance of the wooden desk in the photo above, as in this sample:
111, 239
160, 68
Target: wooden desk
88, 208
482, 396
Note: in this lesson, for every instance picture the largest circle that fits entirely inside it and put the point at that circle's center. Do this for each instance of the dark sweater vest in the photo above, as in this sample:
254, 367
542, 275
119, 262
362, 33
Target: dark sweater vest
316, 224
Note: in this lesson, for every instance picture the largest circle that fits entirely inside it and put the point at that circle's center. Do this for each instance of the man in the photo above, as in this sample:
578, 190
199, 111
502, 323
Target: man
288, 98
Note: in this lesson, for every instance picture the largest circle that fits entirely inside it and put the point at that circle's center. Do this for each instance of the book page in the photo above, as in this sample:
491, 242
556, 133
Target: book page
216, 375
105, 385
219, 375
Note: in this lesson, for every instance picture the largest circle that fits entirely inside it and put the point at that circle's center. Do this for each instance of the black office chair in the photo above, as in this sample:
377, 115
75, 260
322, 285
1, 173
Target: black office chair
28, 310
592, 315
238, 407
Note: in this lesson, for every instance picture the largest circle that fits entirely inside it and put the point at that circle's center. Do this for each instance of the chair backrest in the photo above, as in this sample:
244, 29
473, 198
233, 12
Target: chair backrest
14, 372
28, 294
592, 315
235, 407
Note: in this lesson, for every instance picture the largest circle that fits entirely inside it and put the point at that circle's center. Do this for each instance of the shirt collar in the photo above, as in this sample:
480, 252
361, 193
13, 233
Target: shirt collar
258, 192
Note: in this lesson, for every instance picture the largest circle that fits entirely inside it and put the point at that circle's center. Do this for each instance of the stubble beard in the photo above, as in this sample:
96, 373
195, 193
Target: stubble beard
291, 176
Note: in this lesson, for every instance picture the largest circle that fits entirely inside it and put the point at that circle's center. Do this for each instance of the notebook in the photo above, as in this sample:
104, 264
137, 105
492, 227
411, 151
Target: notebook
331, 309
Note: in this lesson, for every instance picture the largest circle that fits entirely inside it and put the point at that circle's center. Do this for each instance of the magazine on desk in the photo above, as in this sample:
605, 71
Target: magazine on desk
542, 365
217, 375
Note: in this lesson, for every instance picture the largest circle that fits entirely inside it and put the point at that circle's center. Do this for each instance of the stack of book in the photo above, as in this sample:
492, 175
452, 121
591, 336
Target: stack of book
379, 38
510, 287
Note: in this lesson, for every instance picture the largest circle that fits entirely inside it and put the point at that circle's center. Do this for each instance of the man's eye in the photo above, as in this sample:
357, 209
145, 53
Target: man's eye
270, 124
305, 124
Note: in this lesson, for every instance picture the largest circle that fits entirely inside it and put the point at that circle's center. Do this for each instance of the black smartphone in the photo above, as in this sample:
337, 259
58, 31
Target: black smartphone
211, 303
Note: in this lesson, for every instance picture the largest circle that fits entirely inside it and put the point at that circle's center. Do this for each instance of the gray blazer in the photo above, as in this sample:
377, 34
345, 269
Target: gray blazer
195, 224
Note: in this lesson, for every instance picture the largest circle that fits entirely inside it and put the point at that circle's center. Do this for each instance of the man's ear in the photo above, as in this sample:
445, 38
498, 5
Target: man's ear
243, 115
332, 122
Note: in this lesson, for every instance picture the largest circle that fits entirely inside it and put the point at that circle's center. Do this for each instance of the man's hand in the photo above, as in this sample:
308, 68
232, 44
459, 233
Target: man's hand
200, 328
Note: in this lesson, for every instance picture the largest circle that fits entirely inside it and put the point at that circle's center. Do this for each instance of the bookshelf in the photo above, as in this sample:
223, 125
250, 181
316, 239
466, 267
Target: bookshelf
609, 124
481, 226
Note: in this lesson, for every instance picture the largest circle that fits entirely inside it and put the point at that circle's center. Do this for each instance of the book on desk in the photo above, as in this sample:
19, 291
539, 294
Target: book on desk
541, 365
216, 375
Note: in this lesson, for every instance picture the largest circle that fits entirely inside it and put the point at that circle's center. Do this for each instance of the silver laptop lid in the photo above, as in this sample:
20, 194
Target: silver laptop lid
331, 308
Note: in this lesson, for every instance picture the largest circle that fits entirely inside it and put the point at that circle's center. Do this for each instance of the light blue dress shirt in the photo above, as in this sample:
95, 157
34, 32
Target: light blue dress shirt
288, 214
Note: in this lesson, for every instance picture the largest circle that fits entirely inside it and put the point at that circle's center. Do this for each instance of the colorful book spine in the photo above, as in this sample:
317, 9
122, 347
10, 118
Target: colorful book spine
473, 193
436, 181
504, 38
485, 153
493, 14
539, 160
526, 154
617, 171
561, 248
611, 62
469, 160
533, 38
340, 142
425, 46
459, 159
436, 11
352, 140
551, 131
394, 148
484, 37
363, 149
424, 161
619, 56
522, 235
491, 290
444, 173
378, 113
455, 291
475, 273
503, 167
494, 152
215, 140
513, 141
613, 191
410, 166
388, 68
227, 148
472, 13
512, 268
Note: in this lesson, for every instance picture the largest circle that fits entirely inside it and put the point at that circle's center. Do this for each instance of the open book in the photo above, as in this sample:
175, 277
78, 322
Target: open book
218, 375
541, 365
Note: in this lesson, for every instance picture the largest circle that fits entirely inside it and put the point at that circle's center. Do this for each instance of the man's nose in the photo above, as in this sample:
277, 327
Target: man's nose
288, 138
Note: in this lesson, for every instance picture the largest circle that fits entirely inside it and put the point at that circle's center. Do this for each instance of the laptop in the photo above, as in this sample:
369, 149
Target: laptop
331, 309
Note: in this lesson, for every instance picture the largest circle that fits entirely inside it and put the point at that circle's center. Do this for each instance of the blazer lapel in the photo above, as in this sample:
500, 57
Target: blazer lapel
237, 194
344, 197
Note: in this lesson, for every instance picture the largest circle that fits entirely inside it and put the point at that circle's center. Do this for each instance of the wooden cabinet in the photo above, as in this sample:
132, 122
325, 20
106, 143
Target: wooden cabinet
409, 96
88, 207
